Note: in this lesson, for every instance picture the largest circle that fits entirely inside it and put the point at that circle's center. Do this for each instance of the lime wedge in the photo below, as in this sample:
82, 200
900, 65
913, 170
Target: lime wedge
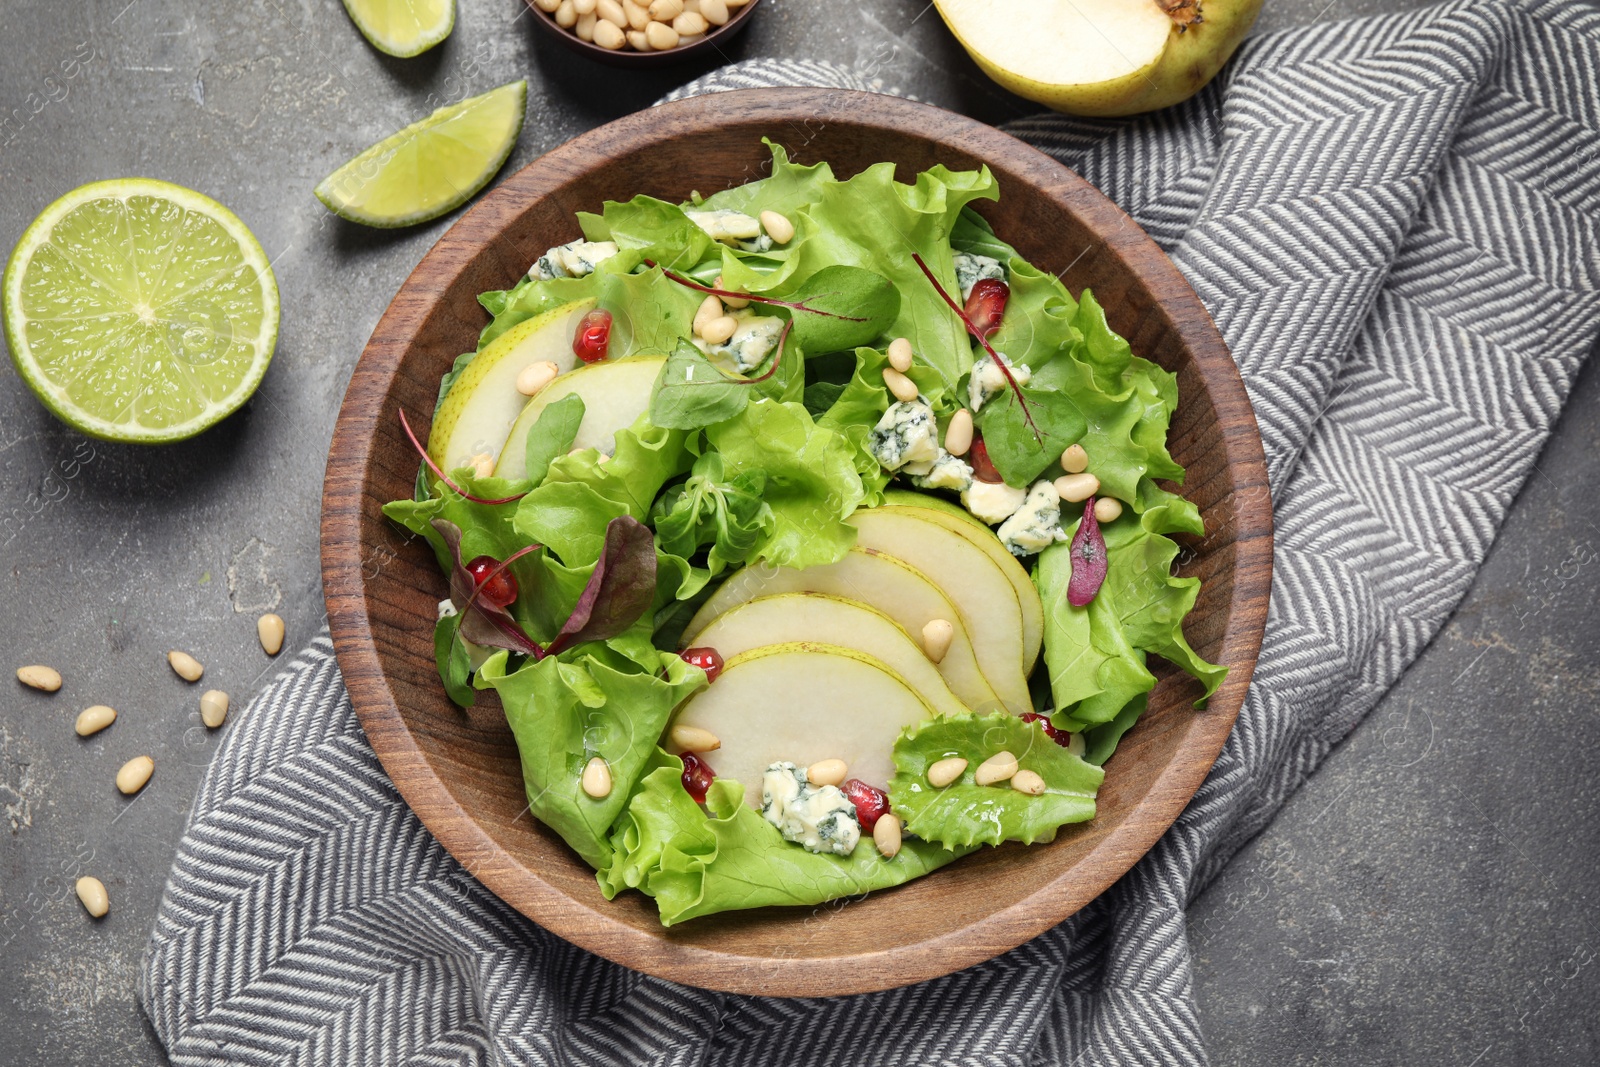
139, 311
431, 167
403, 27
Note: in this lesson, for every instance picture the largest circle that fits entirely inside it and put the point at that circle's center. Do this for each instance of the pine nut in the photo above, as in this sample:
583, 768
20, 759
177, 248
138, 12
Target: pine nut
1107, 509
778, 227
945, 771
269, 630
638, 15
609, 35
661, 36
638, 41
213, 707
900, 354
903, 388
1076, 488
886, 835
187, 667
40, 677
716, 13
133, 775
566, 15
709, 310
92, 892
719, 330
666, 10
936, 637
958, 435
731, 301
482, 465
585, 27
828, 771
1029, 782
92, 720
1074, 460
997, 768
597, 778
694, 739
690, 24
583, 7
535, 376
547, 6
611, 11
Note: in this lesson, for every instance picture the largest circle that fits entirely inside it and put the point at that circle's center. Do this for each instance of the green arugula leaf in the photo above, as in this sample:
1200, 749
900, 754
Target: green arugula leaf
552, 434
848, 306
692, 392
453, 661
1015, 451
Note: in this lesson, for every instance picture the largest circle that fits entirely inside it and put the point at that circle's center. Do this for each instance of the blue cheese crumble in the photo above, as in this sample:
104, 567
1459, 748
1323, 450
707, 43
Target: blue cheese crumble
945, 472
992, 501
989, 381
972, 269
817, 818
752, 341
907, 436
1036, 525
575, 259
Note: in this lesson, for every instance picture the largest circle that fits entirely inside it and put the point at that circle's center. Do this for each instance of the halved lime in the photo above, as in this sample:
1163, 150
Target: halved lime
431, 167
403, 27
140, 311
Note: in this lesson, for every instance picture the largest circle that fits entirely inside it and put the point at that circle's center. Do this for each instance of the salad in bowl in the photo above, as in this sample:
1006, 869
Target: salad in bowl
810, 537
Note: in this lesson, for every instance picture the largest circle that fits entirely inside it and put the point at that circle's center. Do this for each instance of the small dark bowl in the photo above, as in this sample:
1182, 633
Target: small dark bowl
628, 58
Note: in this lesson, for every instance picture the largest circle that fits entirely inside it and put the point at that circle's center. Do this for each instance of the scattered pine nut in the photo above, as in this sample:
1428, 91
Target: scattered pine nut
710, 310
187, 667
827, 772
958, 435
482, 465
886, 835
269, 630
903, 388
1029, 782
597, 778
660, 36
997, 768
1074, 460
535, 376
92, 892
92, 720
1076, 488
609, 35
778, 227
900, 354
945, 771
691, 24
213, 707
718, 331
731, 301
936, 637
1107, 509
45, 679
135, 773
694, 739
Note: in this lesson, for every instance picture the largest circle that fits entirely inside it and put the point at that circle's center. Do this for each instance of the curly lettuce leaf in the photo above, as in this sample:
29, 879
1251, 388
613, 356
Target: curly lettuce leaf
965, 814
727, 857
651, 229
861, 403
565, 710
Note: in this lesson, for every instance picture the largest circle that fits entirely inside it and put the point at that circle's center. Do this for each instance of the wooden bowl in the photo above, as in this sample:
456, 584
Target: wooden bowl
628, 58
458, 769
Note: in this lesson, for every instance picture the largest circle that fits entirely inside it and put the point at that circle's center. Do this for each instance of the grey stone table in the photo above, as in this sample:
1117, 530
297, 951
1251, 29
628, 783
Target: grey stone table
1427, 898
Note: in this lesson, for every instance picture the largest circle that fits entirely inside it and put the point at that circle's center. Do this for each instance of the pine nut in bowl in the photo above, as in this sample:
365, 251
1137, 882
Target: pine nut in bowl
651, 33
459, 766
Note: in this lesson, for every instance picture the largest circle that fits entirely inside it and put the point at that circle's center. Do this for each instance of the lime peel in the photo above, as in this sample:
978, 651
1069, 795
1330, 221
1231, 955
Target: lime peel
403, 28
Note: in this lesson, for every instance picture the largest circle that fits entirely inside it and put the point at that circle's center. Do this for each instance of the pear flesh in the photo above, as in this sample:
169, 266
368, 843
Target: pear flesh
615, 393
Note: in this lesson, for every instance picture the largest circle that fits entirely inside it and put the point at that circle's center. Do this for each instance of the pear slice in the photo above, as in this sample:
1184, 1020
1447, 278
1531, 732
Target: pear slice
478, 411
615, 393
803, 702
790, 617
1101, 57
979, 590
958, 520
894, 587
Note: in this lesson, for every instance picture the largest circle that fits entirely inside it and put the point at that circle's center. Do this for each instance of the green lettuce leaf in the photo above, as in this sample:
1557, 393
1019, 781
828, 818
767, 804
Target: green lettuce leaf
552, 434
652, 229
964, 814
711, 509
861, 403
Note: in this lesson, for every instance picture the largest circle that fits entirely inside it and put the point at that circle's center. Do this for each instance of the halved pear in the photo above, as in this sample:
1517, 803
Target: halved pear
615, 393
803, 702
1101, 57
791, 617
959, 520
478, 411
975, 585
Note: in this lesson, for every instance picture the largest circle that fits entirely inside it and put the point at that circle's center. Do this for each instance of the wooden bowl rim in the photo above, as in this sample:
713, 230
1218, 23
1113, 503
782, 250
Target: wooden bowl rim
657, 953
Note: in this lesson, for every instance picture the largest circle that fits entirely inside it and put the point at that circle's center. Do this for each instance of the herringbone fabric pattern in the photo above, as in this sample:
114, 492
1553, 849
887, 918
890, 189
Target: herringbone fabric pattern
1395, 223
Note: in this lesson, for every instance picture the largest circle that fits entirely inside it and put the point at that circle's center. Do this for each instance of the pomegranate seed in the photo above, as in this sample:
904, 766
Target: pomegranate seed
496, 590
1060, 737
986, 305
978, 456
870, 801
707, 659
697, 776
593, 336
